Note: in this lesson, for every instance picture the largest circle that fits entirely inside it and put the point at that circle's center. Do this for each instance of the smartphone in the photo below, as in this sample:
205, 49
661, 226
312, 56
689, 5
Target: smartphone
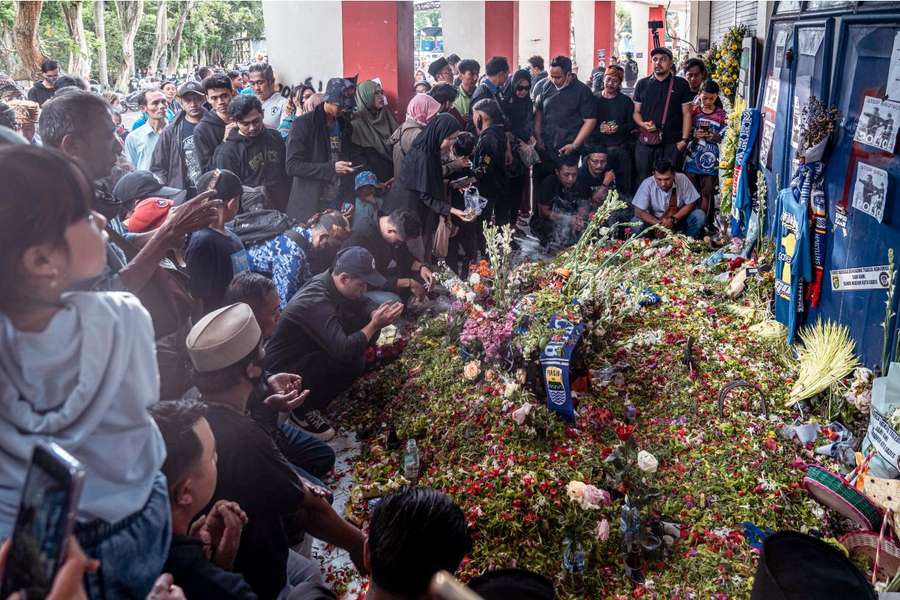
44, 522
358, 168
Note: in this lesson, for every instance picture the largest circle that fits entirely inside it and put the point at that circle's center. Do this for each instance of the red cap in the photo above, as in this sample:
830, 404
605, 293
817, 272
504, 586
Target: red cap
148, 214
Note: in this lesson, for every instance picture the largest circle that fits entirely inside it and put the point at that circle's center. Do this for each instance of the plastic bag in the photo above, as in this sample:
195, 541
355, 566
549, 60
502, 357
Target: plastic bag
881, 436
475, 202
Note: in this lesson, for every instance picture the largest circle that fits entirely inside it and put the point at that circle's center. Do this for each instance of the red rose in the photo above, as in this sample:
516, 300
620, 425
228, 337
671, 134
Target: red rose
623, 431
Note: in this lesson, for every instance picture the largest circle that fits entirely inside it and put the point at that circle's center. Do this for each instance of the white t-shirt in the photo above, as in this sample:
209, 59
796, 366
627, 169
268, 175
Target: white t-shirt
652, 199
272, 108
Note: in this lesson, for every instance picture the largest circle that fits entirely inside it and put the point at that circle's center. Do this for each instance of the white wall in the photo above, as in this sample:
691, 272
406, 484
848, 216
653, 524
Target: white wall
534, 30
463, 26
583, 17
303, 39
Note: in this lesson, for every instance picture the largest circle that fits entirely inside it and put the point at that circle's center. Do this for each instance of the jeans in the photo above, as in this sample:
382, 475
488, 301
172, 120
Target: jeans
300, 571
691, 226
326, 378
646, 156
131, 552
312, 458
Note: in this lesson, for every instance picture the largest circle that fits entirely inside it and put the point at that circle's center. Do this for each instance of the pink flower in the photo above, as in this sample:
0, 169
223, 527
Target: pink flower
593, 498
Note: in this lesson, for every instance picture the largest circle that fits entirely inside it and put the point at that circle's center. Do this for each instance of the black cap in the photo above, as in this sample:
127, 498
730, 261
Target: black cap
662, 50
138, 185
358, 262
191, 87
437, 66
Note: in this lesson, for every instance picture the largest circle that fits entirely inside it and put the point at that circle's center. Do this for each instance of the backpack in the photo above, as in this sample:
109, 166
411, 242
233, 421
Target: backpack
262, 225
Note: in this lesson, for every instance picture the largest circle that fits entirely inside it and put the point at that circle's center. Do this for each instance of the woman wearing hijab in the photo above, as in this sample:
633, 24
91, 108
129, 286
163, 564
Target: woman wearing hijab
420, 111
519, 110
420, 185
373, 125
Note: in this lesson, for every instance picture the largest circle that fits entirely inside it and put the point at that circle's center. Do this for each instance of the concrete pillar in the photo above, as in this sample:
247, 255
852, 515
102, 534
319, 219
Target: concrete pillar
464, 29
378, 42
501, 30
560, 28
534, 32
604, 29
640, 13
292, 28
585, 50
698, 34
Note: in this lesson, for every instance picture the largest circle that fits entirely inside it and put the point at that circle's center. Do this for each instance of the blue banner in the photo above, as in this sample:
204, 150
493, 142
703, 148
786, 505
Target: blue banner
555, 359
742, 201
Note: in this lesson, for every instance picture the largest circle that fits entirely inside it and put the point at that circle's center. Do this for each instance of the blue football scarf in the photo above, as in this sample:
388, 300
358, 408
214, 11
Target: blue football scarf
742, 202
555, 359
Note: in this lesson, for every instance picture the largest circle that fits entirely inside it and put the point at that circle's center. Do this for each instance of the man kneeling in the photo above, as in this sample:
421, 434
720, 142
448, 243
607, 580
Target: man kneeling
324, 332
669, 199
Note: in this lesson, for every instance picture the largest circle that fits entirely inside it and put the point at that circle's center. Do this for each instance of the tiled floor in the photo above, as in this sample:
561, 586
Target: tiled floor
336, 563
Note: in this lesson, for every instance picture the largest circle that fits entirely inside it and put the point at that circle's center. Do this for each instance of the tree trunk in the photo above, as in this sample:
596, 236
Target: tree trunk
28, 46
100, 32
162, 32
129, 20
79, 55
175, 59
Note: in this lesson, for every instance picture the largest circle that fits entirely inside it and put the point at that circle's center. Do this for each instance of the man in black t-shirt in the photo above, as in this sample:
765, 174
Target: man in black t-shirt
561, 207
200, 563
649, 105
565, 113
44, 88
225, 348
615, 124
175, 162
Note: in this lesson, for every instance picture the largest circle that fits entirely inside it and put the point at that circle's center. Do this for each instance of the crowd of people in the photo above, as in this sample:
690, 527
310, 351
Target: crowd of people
193, 293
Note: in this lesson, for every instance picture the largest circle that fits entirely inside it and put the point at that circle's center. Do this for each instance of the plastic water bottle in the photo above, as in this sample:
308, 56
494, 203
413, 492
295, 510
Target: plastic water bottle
574, 564
411, 461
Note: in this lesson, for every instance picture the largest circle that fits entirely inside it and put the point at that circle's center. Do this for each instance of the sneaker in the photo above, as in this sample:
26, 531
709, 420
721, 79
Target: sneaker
313, 422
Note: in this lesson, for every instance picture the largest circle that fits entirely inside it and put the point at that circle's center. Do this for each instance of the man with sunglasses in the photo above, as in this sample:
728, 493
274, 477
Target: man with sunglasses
262, 82
254, 152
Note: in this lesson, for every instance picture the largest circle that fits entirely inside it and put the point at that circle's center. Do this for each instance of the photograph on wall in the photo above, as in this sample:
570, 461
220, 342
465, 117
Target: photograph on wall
765, 142
878, 124
870, 190
780, 42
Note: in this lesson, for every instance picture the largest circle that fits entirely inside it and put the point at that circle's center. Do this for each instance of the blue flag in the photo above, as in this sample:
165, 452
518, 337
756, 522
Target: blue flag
555, 359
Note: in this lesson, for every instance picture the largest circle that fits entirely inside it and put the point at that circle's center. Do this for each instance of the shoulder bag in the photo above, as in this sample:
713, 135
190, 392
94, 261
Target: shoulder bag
654, 138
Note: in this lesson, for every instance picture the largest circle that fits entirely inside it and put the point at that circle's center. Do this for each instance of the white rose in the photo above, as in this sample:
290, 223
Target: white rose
575, 490
474, 279
647, 462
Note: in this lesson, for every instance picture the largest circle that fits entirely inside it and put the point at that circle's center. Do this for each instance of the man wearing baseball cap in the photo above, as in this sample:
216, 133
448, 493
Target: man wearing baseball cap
324, 332
138, 185
175, 161
226, 350
321, 155
662, 112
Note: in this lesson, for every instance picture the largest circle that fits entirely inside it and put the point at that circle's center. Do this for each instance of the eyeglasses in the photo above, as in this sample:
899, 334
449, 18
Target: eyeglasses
523, 88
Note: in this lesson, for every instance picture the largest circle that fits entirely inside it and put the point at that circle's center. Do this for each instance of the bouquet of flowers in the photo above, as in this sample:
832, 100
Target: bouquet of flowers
727, 60
817, 122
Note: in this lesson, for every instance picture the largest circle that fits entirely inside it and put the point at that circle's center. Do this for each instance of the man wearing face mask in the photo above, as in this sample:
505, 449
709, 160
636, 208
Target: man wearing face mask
565, 114
254, 152
662, 112
44, 88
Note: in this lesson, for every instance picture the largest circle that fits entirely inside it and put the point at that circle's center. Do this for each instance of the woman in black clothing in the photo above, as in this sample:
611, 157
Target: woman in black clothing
488, 162
421, 182
520, 113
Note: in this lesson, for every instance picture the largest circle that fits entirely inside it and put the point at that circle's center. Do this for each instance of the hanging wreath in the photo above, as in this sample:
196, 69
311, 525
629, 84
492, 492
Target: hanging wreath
725, 60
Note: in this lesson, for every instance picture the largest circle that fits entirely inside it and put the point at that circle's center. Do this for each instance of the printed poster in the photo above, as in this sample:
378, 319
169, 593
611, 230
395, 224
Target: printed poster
765, 142
809, 41
861, 278
878, 123
770, 99
780, 42
893, 82
870, 190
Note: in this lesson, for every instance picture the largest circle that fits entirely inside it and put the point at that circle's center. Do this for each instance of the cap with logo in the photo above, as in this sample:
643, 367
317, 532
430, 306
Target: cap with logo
148, 214
365, 178
223, 337
358, 262
342, 92
191, 87
138, 185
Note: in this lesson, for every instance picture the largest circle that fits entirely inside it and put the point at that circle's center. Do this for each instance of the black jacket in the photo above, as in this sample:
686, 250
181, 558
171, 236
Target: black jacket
309, 163
38, 93
208, 135
168, 162
200, 578
368, 236
257, 161
488, 163
319, 318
